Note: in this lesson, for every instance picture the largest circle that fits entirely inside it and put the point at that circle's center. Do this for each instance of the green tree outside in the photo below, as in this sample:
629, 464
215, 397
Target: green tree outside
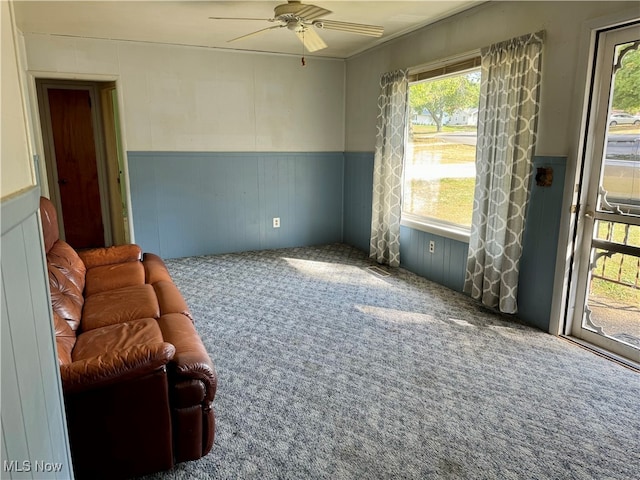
444, 96
626, 95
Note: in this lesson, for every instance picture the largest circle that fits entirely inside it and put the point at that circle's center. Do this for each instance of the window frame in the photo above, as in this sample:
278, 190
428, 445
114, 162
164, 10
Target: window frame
441, 68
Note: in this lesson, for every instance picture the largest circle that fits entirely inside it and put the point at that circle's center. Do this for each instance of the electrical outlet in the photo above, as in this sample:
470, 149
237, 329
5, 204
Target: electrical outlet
432, 246
276, 222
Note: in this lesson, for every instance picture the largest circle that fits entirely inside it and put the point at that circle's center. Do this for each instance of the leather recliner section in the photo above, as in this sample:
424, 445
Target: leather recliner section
137, 380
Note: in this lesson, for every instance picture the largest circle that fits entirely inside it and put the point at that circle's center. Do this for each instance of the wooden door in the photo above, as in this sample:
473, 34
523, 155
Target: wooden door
75, 155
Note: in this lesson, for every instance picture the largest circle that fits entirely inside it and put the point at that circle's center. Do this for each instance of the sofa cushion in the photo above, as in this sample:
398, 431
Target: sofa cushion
66, 298
63, 256
119, 306
144, 331
95, 257
112, 277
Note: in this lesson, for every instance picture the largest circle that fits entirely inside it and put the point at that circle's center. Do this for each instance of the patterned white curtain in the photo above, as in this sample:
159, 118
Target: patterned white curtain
387, 168
507, 124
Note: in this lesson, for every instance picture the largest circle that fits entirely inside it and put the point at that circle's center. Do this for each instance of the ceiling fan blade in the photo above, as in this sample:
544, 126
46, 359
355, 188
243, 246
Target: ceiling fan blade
254, 33
359, 28
312, 12
311, 40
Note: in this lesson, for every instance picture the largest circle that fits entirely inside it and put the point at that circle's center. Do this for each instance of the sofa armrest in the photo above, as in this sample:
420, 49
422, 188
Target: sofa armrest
191, 360
96, 257
115, 366
155, 268
197, 367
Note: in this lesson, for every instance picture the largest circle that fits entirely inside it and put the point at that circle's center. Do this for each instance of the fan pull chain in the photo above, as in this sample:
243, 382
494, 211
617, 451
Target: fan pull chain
303, 61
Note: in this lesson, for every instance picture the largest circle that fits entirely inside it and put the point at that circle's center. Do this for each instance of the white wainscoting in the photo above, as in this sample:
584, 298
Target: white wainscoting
34, 433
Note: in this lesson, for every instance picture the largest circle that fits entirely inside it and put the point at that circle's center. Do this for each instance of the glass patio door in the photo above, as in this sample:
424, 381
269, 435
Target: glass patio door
606, 284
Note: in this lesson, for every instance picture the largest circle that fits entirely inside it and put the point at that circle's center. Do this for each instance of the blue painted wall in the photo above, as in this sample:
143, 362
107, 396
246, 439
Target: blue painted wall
194, 203
358, 195
540, 243
447, 264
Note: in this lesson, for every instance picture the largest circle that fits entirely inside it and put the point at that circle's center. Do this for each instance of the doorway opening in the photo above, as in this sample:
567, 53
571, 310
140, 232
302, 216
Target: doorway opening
84, 161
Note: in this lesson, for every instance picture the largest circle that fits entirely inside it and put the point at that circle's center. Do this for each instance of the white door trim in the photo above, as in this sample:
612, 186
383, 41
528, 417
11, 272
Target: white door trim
50, 157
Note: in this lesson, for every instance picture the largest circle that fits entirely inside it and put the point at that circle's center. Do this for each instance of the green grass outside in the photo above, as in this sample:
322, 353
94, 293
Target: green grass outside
449, 199
447, 152
612, 268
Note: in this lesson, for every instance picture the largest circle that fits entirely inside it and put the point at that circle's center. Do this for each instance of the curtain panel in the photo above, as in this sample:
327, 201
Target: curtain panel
507, 127
387, 168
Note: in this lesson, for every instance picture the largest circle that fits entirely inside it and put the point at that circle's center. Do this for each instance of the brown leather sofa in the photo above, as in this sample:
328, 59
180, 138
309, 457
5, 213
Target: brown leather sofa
138, 383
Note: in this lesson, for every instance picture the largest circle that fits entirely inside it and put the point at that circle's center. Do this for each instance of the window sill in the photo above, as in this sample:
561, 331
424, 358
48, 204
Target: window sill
454, 232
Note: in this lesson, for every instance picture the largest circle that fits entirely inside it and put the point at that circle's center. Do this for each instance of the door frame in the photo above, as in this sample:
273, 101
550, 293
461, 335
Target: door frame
590, 156
125, 232
43, 86
114, 161
577, 121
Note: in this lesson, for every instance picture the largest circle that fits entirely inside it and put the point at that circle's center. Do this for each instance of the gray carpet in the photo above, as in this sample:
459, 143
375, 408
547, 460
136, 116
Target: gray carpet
328, 371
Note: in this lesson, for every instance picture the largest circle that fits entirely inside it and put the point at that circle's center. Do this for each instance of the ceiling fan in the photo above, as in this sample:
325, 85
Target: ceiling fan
300, 18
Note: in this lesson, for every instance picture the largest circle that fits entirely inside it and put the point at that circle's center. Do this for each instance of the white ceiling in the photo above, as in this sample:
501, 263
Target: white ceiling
187, 22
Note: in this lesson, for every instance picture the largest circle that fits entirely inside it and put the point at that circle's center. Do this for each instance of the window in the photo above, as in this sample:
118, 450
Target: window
439, 170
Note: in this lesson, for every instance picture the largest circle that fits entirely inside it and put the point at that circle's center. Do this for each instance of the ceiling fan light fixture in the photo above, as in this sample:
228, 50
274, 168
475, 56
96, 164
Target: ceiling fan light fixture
296, 26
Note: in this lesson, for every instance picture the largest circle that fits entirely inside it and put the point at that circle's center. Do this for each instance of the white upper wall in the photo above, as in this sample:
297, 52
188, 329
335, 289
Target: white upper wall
15, 166
177, 98
563, 74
